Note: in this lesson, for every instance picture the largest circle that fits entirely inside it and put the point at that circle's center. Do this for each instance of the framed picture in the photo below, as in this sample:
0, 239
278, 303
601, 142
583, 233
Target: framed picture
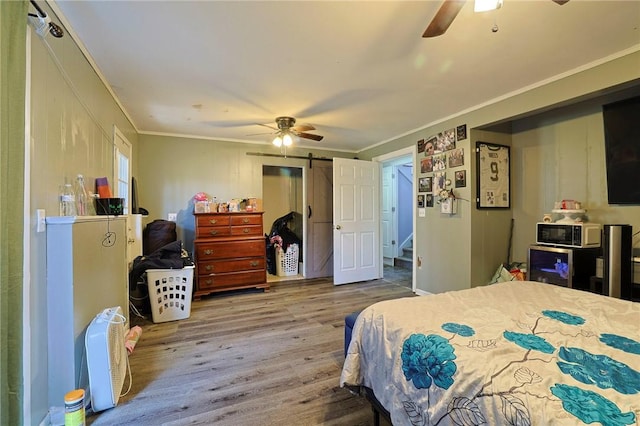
493, 170
461, 178
430, 146
426, 164
439, 161
425, 184
429, 200
421, 200
456, 157
461, 132
439, 181
446, 140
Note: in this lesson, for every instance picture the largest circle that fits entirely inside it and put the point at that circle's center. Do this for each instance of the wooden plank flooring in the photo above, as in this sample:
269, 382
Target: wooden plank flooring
252, 358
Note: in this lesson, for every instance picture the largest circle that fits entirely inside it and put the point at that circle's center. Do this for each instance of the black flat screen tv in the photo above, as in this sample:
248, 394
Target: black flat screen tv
622, 150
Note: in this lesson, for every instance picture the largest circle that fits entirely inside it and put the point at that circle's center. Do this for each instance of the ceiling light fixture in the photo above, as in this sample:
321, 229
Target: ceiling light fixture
283, 137
486, 5
287, 140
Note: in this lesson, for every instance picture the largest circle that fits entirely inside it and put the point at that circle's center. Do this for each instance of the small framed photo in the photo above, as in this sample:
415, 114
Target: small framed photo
456, 157
440, 161
429, 200
461, 132
421, 146
421, 198
426, 164
461, 178
430, 146
425, 184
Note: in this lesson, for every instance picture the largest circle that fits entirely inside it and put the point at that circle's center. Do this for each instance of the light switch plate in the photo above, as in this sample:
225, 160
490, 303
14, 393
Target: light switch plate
172, 217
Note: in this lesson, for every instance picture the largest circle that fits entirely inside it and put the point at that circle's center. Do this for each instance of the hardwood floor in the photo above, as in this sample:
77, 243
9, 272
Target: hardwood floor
252, 358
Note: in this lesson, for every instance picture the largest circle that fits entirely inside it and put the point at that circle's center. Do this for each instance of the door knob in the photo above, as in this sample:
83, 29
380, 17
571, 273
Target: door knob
338, 227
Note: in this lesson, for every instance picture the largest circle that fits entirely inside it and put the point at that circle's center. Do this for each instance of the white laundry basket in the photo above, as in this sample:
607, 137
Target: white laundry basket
287, 262
170, 292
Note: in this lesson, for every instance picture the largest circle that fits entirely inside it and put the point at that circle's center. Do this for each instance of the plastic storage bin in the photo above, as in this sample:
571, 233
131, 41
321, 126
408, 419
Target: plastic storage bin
170, 293
287, 262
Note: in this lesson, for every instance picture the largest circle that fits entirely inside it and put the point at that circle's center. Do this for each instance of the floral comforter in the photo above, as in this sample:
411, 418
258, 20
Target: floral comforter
513, 353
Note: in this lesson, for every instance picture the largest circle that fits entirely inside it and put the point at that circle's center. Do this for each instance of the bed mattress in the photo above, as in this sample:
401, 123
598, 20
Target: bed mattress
516, 353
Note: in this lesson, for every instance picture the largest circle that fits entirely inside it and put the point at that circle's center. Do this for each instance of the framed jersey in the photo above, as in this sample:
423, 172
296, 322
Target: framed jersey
493, 188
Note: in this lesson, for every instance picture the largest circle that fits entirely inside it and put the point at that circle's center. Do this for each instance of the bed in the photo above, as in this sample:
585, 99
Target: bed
512, 353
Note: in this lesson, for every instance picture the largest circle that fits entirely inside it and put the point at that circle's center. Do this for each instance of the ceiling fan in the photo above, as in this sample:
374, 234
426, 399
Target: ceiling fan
287, 129
450, 9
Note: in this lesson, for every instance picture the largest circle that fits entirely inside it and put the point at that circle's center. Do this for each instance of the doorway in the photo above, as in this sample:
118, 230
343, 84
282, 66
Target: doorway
282, 194
397, 217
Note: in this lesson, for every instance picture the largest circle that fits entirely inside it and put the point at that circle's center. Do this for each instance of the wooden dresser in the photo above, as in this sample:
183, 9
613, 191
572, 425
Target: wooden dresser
230, 252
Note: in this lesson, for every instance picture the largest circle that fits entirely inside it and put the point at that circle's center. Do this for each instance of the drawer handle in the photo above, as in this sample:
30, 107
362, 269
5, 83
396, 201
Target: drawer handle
214, 232
254, 263
246, 230
208, 251
213, 221
245, 220
208, 267
208, 281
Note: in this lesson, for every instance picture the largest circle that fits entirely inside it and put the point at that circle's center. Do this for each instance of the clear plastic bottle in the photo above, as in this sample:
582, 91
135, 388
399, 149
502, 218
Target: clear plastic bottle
67, 201
82, 198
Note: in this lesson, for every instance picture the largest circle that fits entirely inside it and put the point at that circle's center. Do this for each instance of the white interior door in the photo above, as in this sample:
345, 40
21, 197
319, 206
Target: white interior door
356, 216
388, 217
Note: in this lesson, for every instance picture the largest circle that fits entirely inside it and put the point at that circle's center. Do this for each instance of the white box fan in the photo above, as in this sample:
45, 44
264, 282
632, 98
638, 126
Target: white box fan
107, 359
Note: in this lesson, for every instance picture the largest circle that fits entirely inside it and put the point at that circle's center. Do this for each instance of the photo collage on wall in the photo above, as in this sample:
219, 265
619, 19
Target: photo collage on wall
437, 154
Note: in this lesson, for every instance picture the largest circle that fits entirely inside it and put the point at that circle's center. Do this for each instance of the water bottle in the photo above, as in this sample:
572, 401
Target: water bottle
67, 201
82, 199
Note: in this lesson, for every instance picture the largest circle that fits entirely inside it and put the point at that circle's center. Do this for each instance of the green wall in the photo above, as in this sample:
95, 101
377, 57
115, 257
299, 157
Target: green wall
173, 169
557, 140
72, 118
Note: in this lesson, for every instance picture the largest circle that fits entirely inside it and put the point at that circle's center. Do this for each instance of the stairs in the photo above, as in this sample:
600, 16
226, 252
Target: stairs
406, 259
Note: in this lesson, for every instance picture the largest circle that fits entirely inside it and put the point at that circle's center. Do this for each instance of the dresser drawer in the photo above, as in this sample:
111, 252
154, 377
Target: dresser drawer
230, 249
213, 231
233, 279
245, 219
232, 265
212, 220
248, 230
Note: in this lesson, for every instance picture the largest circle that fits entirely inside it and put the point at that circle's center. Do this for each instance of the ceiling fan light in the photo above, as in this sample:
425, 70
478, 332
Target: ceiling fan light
486, 5
287, 140
277, 141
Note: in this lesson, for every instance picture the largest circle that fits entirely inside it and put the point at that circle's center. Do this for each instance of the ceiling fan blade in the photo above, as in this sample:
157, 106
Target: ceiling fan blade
444, 17
310, 136
259, 134
303, 127
266, 125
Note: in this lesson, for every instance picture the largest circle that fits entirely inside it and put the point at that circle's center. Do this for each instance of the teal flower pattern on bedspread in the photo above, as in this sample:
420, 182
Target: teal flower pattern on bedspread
460, 329
621, 342
564, 317
529, 341
599, 370
591, 407
427, 359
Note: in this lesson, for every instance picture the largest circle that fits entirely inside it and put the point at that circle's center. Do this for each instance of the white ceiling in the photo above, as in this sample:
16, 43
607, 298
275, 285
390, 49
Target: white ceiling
360, 72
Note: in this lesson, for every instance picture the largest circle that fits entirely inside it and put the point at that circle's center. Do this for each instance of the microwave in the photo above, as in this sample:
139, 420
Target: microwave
575, 235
